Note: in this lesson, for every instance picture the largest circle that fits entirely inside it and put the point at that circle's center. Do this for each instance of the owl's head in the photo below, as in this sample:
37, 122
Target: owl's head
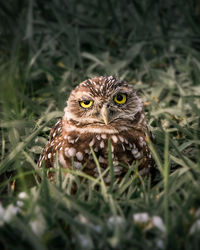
103, 101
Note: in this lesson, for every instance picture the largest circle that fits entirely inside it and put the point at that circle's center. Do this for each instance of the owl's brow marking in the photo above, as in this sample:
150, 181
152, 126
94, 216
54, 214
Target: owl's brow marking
103, 85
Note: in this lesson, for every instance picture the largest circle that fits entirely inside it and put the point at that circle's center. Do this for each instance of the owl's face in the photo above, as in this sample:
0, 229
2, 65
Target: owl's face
104, 101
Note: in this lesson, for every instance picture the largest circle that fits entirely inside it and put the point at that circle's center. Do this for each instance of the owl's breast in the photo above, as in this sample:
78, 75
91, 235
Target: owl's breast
126, 148
73, 150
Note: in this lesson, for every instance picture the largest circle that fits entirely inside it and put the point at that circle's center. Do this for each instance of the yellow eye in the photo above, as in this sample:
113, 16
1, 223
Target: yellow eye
86, 104
120, 98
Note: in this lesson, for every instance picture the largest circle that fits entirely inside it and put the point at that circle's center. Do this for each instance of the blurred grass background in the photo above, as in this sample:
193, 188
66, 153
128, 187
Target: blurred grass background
47, 48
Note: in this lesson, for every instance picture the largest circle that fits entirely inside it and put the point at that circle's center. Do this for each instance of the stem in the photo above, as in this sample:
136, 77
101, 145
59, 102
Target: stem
166, 186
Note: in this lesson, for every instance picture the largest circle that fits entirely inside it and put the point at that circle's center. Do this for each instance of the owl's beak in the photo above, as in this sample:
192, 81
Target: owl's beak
104, 114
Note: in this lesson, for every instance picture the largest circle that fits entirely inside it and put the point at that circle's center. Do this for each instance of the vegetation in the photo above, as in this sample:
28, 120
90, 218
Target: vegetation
46, 48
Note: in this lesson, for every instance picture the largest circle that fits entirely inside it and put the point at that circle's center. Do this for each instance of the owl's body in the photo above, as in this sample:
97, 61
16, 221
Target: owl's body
99, 109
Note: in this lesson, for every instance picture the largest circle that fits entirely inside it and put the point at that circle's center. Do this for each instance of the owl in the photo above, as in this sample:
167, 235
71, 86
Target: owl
98, 110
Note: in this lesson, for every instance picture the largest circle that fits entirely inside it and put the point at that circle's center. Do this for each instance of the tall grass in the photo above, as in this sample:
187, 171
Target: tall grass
48, 48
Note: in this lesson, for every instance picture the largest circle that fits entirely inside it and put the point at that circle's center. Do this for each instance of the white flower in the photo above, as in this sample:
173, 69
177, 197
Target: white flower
84, 220
195, 227
7, 214
23, 195
145, 218
85, 241
10, 211
160, 244
20, 203
141, 218
38, 225
158, 222
116, 221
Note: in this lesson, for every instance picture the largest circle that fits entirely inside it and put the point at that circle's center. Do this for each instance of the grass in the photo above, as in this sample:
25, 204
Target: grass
46, 50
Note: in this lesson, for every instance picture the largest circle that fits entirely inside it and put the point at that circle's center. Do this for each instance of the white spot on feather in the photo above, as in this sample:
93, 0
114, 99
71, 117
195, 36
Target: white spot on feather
142, 143
121, 138
77, 165
141, 138
139, 109
79, 156
130, 145
92, 142
57, 123
137, 155
115, 163
134, 151
123, 147
144, 171
103, 136
98, 137
101, 159
49, 156
114, 138
96, 149
66, 152
72, 152
70, 140
102, 144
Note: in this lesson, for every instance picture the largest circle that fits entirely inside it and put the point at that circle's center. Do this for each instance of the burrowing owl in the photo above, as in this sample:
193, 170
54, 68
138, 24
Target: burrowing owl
98, 109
